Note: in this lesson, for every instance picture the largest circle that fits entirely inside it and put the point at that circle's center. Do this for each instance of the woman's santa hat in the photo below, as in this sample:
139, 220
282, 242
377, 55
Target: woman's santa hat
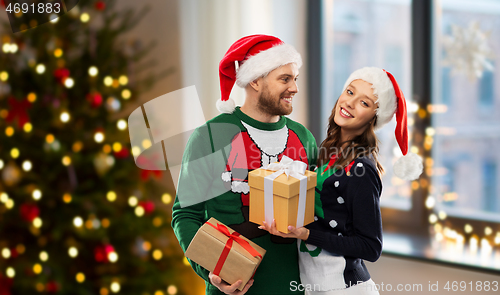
391, 101
257, 56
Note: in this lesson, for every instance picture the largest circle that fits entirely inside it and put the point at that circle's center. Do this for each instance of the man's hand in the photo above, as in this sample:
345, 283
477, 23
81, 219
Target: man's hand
299, 233
226, 288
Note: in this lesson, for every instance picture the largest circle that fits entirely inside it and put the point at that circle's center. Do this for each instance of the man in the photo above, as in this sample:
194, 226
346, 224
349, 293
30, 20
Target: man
219, 155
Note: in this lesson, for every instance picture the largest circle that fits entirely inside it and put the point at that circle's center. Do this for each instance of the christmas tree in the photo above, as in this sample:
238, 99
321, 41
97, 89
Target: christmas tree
76, 214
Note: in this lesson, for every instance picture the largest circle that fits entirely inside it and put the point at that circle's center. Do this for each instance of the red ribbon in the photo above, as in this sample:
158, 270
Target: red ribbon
229, 244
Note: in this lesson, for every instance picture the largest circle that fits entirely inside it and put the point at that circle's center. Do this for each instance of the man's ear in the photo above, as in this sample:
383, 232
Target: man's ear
256, 84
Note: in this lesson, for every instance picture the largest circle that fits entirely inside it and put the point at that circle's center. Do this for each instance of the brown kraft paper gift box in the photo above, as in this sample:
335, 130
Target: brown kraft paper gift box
285, 197
208, 245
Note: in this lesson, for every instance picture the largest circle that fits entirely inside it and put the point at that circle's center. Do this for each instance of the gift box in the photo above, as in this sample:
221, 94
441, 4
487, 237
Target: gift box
225, 252
290, 199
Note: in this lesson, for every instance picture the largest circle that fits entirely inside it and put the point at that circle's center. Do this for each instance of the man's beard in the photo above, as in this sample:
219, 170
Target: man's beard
270, 105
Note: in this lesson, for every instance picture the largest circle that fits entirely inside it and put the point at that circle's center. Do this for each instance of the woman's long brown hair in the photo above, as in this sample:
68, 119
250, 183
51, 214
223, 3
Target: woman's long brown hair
365, 144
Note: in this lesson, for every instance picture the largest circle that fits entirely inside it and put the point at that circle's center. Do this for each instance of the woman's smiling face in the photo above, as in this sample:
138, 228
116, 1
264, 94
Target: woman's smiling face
355, 108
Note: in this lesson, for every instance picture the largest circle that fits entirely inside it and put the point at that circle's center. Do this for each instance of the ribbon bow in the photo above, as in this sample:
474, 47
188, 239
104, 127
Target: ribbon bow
229, 244
287, 166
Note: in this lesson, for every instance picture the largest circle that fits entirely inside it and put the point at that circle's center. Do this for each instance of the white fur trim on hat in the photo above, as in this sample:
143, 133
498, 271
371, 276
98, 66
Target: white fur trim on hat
408, 167
266, 61
382, 89
227, 106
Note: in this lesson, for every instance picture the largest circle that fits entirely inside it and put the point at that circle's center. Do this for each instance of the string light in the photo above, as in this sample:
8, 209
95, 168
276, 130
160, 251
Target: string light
67, 198
85, 17
4, 197
14, 153
488, 231
430, 202
111, 196
105, 223
157, 254
77, 146
6, 253
139, 211
433, 218
442, 215
9, 204
11, 272
65, 117
117, 147
49, 138
37, 222
468, 228
108, 81
39, 287
115, 287
37, 268
157, 221
80, 277
166, 198
37, 194
113, 257
44, 256
132, 201
9, 131
27, 127
99, 137
93, 71
73, 252
40, 69
1, 164
106, 148
104, 291
123, 80
146, 143
32, 97
20, 248
136, 151
172, 290
159, 292
78, 221
121, 124
126, 94
66, 160
497, 239
146, 246
58, 52
69, 82
4, 76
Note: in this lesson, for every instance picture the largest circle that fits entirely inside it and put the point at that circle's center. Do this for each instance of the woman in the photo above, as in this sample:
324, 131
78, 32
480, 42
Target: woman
348, 226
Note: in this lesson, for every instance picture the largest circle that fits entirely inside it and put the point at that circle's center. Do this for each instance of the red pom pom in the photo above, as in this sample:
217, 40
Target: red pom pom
95, 99
100, 5
148, 206
29, 212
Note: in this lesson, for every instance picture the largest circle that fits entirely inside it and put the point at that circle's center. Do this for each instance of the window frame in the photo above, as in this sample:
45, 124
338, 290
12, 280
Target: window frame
414, 222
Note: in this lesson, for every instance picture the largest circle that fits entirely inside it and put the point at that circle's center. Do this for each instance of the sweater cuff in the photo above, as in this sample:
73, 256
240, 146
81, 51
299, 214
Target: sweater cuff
315, 237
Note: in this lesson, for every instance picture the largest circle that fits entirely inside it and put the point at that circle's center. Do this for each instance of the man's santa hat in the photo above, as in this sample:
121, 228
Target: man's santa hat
257, 56
391, 101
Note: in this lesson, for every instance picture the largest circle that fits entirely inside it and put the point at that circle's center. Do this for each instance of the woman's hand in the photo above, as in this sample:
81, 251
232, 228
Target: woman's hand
299, 233
226, 288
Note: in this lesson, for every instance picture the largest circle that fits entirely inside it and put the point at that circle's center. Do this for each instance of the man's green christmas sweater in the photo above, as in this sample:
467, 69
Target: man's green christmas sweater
213, 183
